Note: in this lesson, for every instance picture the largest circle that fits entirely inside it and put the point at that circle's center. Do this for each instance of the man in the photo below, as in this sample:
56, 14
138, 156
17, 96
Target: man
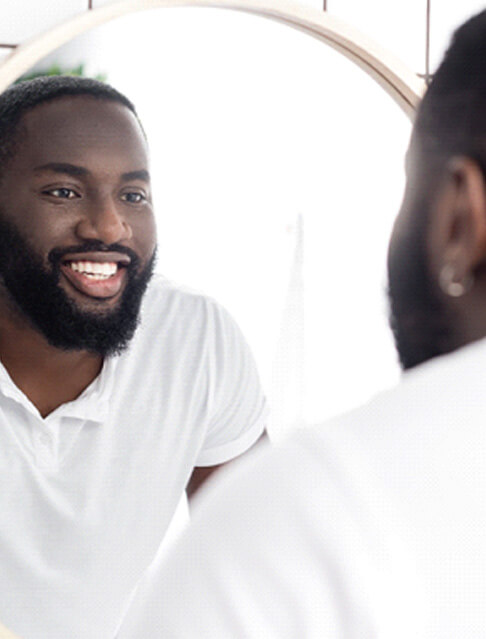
116, 390
371, 525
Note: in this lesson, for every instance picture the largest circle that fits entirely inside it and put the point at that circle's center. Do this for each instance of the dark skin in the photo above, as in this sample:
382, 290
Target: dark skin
80, 173
457, 237
83, 198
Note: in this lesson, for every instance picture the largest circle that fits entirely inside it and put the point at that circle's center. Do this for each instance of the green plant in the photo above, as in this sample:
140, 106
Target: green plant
56, 69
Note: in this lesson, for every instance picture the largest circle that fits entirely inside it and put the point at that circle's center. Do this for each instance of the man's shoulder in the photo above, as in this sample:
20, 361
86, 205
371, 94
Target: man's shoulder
180, 313
435, 393
395, 437
165, 297
161, 288
388, 446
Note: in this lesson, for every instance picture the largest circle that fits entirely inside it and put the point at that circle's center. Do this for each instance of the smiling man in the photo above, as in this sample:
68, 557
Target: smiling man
117, 389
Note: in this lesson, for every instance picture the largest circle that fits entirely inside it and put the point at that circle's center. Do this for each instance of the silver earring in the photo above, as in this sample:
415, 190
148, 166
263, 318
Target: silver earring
452, 287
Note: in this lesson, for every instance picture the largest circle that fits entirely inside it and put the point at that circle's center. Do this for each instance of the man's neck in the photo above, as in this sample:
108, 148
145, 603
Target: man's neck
47, 375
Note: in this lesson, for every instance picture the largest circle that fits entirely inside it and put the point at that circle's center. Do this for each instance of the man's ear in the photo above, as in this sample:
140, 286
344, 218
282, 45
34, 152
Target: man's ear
457, 231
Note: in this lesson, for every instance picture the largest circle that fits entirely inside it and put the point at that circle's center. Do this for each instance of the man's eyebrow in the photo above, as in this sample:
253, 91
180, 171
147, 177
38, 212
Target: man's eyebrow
81, 171
62, 167
142, 174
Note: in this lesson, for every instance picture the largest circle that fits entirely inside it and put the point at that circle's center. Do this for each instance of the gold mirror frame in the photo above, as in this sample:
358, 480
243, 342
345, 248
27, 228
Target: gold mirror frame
404, 86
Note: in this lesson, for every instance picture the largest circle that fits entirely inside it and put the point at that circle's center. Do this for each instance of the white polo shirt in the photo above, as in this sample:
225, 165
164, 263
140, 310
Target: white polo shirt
88, 492
370, 526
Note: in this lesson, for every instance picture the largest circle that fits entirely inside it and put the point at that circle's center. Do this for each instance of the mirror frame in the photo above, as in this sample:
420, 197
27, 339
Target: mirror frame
402, 84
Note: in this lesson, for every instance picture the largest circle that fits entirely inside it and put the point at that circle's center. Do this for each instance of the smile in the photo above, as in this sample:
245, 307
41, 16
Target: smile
95, 270
98, 275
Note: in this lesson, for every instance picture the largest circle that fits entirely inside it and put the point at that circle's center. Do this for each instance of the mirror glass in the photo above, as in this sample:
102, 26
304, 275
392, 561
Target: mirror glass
400, 27
278, 169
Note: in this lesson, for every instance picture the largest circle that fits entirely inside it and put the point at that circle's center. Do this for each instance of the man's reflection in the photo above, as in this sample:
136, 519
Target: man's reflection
117, 388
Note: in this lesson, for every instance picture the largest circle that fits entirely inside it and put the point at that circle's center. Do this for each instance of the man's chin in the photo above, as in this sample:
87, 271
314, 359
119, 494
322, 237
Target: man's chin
93, 306
74, 311
105, 328
103, 325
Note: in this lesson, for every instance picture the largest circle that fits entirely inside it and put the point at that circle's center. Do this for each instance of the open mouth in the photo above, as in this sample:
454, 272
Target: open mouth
95, 270
98, 275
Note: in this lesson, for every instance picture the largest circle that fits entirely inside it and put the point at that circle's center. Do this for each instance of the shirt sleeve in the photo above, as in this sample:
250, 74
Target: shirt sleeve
238, 407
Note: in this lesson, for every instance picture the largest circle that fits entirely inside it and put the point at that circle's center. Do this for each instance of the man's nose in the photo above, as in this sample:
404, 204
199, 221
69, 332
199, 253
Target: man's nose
104, 222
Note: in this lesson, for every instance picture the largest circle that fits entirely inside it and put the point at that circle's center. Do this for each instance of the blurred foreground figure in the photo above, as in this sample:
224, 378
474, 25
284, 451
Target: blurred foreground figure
373, 524
117, 389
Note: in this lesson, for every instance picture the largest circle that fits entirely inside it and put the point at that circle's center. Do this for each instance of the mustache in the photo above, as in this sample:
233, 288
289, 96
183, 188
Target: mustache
91, 246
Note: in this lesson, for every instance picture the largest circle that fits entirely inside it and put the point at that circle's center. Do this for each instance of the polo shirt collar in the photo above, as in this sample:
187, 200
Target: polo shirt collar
93, 404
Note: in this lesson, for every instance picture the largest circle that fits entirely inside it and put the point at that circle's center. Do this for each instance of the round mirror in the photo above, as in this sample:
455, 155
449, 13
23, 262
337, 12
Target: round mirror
277, 167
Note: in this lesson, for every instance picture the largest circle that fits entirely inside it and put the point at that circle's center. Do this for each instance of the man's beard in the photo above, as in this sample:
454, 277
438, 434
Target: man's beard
421, 325
36, 292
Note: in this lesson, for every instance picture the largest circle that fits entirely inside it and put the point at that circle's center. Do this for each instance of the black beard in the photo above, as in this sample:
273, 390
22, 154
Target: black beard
36, 292
421, 325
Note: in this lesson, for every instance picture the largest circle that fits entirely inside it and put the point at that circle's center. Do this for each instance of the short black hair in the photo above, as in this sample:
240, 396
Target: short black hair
451, 118
20, 98
450, 121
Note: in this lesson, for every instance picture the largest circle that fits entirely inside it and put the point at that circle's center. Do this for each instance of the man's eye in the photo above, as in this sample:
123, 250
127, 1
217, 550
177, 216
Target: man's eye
134, 197
63, 193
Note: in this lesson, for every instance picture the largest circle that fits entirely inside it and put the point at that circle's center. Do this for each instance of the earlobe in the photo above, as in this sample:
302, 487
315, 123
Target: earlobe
451, 285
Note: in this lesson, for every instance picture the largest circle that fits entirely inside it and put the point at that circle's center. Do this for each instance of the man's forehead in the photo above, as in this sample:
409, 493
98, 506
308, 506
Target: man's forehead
75, 108
80, 128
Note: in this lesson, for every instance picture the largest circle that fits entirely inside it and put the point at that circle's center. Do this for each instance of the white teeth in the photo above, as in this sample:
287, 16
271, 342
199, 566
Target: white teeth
95, 270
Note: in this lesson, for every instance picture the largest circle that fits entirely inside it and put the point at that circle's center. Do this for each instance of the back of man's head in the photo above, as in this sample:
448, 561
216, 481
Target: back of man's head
451, 119
21, 98
450, 122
